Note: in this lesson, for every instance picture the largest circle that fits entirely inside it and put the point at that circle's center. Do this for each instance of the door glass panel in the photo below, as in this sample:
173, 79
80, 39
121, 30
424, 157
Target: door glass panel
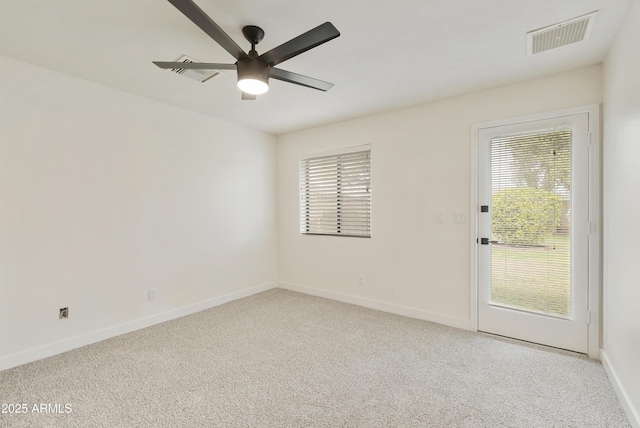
530, 222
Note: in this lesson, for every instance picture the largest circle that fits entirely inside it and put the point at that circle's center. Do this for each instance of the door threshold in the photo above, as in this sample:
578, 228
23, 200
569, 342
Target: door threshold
535, 345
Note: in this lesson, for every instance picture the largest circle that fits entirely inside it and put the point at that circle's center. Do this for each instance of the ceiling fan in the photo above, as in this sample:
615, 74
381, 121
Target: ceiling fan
255, 70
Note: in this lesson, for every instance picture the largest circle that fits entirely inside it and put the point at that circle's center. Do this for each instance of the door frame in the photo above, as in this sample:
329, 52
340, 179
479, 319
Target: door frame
595, 210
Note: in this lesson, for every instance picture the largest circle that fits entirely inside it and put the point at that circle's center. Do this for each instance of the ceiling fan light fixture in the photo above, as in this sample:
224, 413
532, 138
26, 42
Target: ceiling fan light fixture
253, 86
253, 76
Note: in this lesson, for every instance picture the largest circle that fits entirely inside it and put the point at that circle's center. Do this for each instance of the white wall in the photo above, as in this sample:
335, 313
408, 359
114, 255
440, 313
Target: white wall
104, 195
621, 211
420, 167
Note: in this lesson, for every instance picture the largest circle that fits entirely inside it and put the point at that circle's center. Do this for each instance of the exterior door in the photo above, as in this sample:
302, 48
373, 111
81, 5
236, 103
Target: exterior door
533, 220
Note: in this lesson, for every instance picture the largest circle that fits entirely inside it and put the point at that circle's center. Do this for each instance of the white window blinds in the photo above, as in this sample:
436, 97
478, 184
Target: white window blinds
335, 194
531, 218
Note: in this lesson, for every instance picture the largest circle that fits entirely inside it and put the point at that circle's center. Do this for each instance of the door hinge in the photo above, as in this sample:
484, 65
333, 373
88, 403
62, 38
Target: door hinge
588, 138
588, 317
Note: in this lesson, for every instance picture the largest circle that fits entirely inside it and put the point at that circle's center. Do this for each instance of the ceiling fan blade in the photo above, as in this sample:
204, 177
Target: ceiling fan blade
249, 97
195, 65
299, 79
206, 24
309, 40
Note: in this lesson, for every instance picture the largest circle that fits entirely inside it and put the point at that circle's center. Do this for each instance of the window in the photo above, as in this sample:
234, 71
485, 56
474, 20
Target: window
530, 222
335, 194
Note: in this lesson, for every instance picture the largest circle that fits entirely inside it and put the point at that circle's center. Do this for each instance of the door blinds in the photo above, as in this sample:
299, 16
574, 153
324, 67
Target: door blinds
335, 194
530, 221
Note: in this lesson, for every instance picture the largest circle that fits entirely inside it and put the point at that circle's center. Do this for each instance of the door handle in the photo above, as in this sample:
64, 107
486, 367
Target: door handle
486, 241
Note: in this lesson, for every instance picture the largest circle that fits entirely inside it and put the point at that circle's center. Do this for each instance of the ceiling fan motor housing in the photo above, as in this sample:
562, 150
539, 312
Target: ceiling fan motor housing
253, 69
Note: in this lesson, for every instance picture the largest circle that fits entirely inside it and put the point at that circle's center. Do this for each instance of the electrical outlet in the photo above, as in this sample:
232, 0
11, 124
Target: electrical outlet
152, 294
360, 280
64, 313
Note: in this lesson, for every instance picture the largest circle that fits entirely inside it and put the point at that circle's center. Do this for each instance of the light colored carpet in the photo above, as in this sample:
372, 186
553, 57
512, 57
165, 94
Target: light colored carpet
284, 359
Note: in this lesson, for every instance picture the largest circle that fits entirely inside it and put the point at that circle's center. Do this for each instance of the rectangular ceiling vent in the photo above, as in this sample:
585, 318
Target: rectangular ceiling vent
560, 34
199, 75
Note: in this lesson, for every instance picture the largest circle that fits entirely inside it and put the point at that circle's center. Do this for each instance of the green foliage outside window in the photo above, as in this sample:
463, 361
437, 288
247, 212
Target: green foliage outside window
524, 215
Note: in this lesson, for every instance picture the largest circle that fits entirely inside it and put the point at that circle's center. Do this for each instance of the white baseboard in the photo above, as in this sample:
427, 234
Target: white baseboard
51, 349
379, 305
625, 401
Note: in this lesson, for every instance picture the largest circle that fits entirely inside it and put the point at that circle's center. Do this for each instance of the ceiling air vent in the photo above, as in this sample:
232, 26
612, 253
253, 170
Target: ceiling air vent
199, 75
560, 34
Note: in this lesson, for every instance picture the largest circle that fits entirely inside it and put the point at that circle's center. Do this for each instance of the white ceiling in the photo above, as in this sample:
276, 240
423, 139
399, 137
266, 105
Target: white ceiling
390, 54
